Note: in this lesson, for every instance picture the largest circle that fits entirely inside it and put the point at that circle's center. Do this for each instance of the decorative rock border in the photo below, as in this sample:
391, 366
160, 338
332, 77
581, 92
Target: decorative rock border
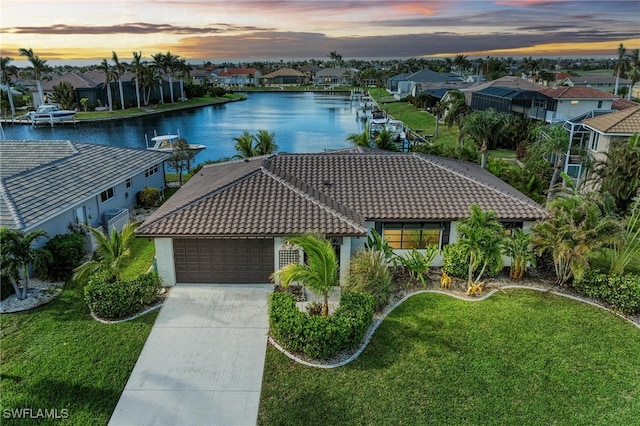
376, 322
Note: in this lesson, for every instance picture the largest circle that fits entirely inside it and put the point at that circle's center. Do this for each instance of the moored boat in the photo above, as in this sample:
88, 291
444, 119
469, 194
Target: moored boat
50, 113
167, 143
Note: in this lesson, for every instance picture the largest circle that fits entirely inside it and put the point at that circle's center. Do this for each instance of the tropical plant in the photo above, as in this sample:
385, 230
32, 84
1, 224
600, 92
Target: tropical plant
110, 254
108, 78
634, 70
244, 145
138, 69
455, 110
621, 66
481, 238
17, 255
64, 94
553, 142
361, 139
38, 67
369, 274
319, 273
375, 242
418, 263
518, 247
183, 70
623, 254
384, 141
7, 71
618, 173
118, 71
574, 231
181, 157
265, 143
159, 67
484, 127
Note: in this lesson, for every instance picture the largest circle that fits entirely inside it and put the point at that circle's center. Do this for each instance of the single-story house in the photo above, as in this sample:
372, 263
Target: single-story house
508, 81
335, 76
422, 80
52, 185
231, 221
606, 82
506, 99
236, 76
284, 76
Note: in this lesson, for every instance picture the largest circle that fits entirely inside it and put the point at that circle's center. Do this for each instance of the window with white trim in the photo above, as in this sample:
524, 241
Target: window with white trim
108, 194
151, 171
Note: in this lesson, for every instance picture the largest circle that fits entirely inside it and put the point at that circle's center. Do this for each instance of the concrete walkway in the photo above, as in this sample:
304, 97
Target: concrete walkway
202, 362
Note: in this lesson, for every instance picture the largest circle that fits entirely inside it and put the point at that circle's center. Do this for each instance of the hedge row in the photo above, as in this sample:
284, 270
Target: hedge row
622, 292
317, 336
121, 299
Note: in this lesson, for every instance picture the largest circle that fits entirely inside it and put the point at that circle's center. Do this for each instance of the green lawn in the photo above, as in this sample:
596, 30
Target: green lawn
520, 357
58, 357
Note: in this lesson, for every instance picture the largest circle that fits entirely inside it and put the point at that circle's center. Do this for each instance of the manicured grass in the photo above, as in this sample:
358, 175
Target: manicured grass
520, 357
142, 253
58, 357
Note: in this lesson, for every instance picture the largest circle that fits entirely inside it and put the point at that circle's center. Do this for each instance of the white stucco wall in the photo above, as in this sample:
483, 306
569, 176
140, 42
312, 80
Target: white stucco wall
165, 262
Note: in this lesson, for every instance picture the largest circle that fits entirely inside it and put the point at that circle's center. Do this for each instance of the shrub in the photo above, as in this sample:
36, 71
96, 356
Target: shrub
67, 251
218, 92
6, 288
418, 263
123, 298
149, 197
622, 292
320, 336
456, 264
370, 274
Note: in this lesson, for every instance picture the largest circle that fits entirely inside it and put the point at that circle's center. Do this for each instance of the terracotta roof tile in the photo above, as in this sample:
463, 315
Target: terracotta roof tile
577, 92
626, 122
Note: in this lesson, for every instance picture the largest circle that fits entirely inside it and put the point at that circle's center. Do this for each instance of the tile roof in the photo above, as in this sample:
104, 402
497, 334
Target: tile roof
595, 79
620, 104
40, 179
333, 193
507, 81
284, 72
626, 122
579, 92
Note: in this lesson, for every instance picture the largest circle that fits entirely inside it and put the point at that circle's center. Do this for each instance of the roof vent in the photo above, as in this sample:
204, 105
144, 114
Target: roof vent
327, 182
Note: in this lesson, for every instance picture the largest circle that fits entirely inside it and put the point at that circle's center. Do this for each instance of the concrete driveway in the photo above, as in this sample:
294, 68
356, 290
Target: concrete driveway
202, 362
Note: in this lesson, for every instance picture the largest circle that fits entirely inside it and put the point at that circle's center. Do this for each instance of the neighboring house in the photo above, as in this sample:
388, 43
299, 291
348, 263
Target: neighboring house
52, 185
200, 76
422, 80
285, 76
616, 126
236, 76
509, 81
231, 221
504, 99
605, 82
84, 86
567, 103
335, 77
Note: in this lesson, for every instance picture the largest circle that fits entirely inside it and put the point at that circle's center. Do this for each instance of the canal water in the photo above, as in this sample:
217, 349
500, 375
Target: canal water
301, 121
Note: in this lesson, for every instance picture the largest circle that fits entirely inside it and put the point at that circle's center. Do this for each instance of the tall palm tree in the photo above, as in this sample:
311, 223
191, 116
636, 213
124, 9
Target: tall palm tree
159, 65
110, 254
634, 71
484, 127
461, 62
17, 255
553, 141
38, 67
170, 65
149, 80
621, 66
319, 273
184, 70
108, 77
138, 66
244, 145
361, 139
575, 229
7, 71
481, 237
265, 143
455, 110
118, 71
384, 141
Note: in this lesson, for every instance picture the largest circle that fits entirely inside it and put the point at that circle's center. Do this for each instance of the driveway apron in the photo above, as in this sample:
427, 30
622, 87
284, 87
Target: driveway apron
202, 362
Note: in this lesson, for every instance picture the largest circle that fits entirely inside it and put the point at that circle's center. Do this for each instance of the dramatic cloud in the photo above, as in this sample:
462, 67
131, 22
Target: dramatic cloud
130, 28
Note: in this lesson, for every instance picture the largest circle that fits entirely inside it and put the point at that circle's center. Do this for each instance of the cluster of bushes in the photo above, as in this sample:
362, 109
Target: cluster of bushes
455, 262
370, 274
622, 292
149, 197
465, 153
120, 299
67, 251
320, 336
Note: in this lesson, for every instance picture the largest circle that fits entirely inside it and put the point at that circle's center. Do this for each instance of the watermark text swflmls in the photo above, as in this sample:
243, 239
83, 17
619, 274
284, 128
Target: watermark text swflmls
35, 413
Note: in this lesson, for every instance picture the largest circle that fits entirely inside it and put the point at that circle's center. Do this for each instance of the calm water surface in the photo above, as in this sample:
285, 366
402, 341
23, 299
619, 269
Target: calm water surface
302, 122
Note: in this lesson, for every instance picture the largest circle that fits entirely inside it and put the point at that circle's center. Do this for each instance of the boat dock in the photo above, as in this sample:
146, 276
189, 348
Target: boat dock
22, 120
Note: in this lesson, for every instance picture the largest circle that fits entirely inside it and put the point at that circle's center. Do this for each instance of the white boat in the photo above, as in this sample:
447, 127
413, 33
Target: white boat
378, 117
50, 113
166, 143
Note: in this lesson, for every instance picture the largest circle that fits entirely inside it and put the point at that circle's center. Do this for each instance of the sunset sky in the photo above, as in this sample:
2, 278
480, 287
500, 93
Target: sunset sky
200, 30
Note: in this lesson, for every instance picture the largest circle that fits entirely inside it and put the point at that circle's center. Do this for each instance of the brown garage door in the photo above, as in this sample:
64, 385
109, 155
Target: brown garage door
223, 261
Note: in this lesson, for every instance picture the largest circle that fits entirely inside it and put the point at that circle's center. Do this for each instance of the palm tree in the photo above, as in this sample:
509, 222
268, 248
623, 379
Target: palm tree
518, 247
481, 237
170, 65
553, 142
384, 141
335, 58
38, 66
484, 127
361, 139
621, 66
184, 70
244, 145
319, 273
7, 71
455, 110
619, 173
64, 94
17, 255
461, 62
108, 77
634, 71
110, 254
149, 80
159, 66
138, 66
118, 72
575, 229
265, 143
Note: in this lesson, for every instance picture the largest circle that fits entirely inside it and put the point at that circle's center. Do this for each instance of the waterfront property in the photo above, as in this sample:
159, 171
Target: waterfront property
230, 222
52, 185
